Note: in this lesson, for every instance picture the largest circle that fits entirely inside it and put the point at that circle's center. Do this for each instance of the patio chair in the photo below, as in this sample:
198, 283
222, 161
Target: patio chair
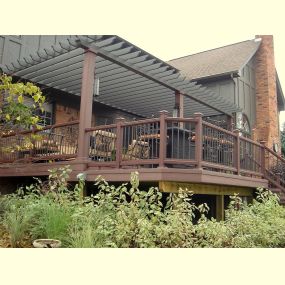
102, 145
137, 150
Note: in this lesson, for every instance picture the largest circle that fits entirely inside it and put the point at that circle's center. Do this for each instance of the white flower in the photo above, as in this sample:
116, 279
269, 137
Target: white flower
81, 176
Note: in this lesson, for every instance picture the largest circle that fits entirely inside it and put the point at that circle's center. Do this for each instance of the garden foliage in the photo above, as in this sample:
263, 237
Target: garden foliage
125, 216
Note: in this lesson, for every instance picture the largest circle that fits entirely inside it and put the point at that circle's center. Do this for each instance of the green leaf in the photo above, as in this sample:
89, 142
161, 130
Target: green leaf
21, 99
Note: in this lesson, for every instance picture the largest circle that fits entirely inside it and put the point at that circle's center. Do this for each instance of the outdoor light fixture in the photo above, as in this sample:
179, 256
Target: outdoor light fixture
175, 111
96, 87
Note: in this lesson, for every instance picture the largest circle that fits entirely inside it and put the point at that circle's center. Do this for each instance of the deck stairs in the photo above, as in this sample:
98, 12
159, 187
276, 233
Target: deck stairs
275, 173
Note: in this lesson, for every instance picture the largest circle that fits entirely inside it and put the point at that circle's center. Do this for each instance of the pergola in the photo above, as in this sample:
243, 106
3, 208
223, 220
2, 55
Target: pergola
130, 79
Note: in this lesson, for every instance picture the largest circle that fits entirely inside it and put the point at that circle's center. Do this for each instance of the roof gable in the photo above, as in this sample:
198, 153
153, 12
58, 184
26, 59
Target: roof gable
216, 62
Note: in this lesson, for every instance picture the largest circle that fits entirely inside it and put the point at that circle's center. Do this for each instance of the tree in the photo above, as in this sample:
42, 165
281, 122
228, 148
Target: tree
15, 112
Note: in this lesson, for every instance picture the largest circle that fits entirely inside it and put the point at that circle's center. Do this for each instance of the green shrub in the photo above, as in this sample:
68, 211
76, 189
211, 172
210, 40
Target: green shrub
261, 224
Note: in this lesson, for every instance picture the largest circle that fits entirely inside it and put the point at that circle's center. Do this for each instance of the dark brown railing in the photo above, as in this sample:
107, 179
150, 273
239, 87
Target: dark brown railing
251, 157
174, 142
180, 143
52, 142
274, 169
219, 146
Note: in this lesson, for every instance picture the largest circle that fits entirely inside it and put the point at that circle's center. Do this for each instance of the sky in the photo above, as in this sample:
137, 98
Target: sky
166, 29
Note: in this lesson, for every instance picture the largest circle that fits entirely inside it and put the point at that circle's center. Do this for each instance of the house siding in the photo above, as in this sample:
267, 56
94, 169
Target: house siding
246, 91
14, 47
240, 91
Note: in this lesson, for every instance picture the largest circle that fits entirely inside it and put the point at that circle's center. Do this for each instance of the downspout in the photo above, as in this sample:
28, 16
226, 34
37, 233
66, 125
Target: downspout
235, 101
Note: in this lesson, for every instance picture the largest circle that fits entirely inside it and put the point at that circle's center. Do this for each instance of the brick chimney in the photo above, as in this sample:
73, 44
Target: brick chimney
267, 115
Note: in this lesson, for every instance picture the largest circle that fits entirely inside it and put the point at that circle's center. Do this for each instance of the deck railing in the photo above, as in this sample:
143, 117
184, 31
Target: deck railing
176, 143
49, 143
219, 148
274, 169
158, 142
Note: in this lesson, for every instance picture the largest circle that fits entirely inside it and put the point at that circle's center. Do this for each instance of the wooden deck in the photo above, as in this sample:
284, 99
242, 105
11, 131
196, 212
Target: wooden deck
186, 150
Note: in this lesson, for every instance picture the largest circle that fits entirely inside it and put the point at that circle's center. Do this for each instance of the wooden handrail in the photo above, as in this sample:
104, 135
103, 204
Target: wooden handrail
218, 128
42, 129
141, 122
251, 141
98, 128
181, 120
275, 154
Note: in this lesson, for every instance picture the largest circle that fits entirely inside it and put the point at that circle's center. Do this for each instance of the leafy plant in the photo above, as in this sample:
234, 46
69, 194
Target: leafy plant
15, 114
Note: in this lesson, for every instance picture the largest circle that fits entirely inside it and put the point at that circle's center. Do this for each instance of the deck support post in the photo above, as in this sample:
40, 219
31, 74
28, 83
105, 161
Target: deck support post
220, 208
199, 140
86, 102
119, 140
237, 151
163, 137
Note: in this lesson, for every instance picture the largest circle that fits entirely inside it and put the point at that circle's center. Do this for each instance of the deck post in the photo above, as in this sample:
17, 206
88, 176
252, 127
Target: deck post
86, 103
199, 140
230, 123
179, 104
163, 137
237, 151
119, 140
262, 154
220, 209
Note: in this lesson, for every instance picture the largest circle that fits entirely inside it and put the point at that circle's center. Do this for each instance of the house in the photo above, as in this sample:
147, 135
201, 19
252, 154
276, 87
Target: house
245, 74
114, 108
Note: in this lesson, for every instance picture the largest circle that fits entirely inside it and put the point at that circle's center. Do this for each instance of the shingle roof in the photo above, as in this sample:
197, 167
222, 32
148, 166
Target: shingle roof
217, 61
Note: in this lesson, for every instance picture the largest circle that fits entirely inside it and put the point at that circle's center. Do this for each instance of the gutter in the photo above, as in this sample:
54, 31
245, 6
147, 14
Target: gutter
229, 74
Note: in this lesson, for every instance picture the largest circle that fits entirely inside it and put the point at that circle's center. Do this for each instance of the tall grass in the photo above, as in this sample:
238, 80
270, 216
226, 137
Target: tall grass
52, 221
17, 223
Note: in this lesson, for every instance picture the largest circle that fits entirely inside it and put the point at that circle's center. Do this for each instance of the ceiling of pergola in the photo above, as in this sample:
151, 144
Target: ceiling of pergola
130, 78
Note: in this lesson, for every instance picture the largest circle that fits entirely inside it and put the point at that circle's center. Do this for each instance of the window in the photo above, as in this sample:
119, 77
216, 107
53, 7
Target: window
45, 117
